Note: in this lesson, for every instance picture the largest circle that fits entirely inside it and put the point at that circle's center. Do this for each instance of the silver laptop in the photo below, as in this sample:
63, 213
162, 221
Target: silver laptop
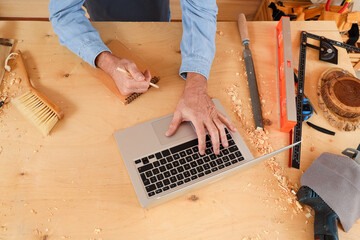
162, 168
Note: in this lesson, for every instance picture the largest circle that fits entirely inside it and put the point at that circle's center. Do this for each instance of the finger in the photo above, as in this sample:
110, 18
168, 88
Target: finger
227, 122
174, 125
221, 129
200, 132
147, 75
214, 134
135, 72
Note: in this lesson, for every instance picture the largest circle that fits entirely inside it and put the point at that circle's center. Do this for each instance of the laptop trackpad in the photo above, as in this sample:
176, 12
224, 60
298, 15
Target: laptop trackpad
160, 127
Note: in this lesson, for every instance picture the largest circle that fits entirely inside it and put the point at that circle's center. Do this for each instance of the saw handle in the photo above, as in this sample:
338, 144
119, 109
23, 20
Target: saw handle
243, 29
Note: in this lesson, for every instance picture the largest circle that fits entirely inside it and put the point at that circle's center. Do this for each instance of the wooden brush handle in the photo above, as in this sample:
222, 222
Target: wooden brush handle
243, 29
25, 76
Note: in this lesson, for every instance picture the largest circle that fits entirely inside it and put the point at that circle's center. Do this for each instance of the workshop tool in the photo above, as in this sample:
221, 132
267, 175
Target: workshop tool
327, 53
353, 153
285, 75
345, 5
124, 71
34, 105
250, 70
5, 48
325, 224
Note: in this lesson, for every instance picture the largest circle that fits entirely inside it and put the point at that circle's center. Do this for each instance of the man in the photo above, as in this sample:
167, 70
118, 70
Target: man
197, 49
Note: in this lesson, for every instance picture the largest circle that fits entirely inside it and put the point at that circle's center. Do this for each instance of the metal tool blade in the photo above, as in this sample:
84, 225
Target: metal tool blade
254, 92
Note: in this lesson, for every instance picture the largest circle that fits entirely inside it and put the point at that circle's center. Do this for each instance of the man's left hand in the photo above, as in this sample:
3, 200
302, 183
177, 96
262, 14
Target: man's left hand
196, 106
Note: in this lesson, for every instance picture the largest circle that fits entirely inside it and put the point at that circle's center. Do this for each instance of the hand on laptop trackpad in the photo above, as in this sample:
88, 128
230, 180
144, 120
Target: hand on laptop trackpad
160, 127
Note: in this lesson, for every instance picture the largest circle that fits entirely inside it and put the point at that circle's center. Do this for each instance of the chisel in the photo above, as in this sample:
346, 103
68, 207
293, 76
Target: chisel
254, 92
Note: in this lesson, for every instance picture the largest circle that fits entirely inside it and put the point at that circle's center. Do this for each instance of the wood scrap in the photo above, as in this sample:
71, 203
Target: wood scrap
338, 92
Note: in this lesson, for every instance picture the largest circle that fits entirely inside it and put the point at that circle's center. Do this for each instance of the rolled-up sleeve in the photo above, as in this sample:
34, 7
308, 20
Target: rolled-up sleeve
198, 39
75, 30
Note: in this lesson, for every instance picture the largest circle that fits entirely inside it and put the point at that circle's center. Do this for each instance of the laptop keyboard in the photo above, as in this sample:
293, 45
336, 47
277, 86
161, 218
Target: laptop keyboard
181, 164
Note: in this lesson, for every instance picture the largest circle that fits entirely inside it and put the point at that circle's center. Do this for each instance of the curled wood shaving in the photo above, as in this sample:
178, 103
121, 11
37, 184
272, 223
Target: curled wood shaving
11, 56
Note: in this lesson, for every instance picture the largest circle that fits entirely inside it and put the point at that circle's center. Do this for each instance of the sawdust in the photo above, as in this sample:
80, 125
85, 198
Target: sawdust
260, 140
97, 230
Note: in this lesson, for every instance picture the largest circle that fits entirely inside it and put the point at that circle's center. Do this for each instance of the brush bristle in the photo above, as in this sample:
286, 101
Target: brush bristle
34, 109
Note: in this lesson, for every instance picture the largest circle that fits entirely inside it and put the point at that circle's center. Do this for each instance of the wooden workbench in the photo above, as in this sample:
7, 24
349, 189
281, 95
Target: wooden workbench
73, 184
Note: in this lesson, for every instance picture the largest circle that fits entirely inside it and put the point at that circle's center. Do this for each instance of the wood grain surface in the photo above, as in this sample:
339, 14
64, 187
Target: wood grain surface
74, 185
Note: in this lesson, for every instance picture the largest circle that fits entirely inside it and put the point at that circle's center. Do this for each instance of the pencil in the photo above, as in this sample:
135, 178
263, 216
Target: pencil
124, 71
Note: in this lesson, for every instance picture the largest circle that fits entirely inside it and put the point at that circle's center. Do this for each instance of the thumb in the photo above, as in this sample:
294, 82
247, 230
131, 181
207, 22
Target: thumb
174, 125
135, 72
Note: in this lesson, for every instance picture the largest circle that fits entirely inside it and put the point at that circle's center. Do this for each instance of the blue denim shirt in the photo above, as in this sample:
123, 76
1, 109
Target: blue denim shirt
198, 40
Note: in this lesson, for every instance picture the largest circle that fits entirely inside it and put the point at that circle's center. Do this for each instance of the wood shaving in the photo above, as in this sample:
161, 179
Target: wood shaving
11, 56
259, 139
97, 230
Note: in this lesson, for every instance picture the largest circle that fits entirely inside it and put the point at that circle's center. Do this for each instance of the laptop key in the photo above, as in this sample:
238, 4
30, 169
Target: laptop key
166, 182
208, 144
193, 164
206, 166
227, 164
158, 155
188, 151
148, 174
184, 146
173, 172
221, 166
162, 169
228, 136
151, 194
200, 169
206, 159
225, 151
138, 161
212, 156
187, 180
233, 148
241, 158
156, 171
194, 177
219, 161
165, 153
186, 174
173, 185
156, 164
195, 149
232, 156
169, 158
182, 161
158, 191
214, 169
151, 156
153, 179
201, 175
166, 188
176, 163
193, 171
167, 174
182, 154
195, 156
169, 166
180, 177
146, 182
200, 161
207, 172
212, 164
180, 169
238, 154
187, 166
208, 151
231, 142
145, 168
150, 188
173, 179
159, 184
234, 161
225, 159
188, 159
180, 183
163, 161
160, 177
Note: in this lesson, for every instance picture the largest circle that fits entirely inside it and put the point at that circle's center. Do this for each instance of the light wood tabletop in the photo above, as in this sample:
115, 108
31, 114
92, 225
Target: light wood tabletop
73, 184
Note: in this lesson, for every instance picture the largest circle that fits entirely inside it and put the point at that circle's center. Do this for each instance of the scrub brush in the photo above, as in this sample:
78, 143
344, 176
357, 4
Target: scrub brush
34, 105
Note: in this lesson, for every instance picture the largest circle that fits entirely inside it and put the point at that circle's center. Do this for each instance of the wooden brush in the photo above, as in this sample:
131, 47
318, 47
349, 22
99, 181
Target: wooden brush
34, 105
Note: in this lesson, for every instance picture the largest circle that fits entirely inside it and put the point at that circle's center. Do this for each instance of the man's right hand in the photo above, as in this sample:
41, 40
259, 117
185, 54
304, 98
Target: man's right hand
135, 81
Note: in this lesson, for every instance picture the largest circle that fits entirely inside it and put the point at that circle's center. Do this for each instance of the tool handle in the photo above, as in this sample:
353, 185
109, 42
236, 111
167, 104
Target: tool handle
243, 29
